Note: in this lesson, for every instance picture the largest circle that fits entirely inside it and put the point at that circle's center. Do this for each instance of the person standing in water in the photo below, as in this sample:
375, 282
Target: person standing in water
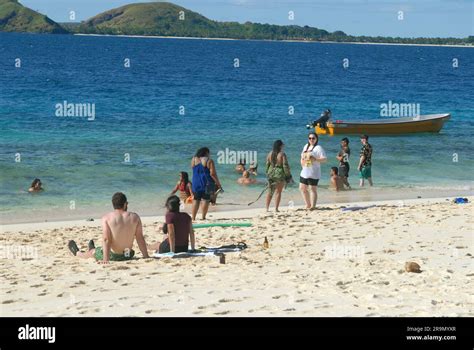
343, 158
336, 180
205, 181
365, 161
278, 173
311, 157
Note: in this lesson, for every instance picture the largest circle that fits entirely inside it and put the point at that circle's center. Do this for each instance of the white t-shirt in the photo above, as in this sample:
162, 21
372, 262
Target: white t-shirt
313, 171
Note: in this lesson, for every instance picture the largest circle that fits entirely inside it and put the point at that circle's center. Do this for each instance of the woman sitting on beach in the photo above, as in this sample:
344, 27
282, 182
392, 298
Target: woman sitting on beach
278, 173
185, 188
205, 181
178, 230
36, 186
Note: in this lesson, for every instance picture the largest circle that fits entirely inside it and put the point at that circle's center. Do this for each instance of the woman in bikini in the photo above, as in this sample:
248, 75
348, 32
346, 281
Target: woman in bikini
184, 186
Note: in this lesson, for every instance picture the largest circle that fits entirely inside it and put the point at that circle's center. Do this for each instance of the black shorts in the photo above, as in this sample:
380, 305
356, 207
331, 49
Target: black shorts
309, 182
343, 171
206, 196
165, 247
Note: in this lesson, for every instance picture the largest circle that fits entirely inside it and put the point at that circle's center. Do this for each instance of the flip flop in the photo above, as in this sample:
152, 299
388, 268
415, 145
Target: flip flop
91, 245
73, 247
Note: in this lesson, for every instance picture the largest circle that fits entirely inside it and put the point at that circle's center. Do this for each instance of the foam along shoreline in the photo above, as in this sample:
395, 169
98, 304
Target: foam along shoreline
325, 197
287, 41
326, 262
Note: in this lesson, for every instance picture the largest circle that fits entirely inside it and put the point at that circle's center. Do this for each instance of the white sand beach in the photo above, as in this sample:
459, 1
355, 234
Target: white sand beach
288, 40
326, 262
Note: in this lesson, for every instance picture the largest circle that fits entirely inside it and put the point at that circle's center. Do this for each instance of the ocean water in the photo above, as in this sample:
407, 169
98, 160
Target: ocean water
137, 115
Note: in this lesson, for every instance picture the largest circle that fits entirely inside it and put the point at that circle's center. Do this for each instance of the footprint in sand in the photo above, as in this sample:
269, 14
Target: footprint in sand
222, 312
229, 300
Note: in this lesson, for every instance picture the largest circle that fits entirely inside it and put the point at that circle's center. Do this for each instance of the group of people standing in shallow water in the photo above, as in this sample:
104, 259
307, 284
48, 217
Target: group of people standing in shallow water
279, 174
205, 184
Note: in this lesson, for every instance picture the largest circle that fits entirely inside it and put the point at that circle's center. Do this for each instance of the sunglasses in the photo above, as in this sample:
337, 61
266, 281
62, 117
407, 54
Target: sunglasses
311, 138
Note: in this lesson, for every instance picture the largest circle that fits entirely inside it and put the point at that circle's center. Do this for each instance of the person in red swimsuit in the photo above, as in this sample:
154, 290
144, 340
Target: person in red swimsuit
184, 186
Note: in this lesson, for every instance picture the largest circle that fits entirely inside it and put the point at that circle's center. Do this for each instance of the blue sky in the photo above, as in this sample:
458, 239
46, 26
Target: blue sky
430, 18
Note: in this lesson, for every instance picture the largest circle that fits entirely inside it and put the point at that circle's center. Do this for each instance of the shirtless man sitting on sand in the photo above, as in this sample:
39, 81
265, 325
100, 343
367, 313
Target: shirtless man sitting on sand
119, 228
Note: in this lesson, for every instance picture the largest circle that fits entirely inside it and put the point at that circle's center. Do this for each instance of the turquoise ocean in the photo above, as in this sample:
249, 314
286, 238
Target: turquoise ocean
156, 101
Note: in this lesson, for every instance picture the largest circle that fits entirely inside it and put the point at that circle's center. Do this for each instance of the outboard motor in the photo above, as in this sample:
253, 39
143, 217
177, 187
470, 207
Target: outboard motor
323, 119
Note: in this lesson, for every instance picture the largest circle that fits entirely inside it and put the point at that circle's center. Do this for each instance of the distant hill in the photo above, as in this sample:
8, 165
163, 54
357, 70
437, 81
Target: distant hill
15, 17
163, 19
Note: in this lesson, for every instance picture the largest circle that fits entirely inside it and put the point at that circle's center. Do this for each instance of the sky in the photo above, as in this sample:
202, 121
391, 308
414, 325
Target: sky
421, 18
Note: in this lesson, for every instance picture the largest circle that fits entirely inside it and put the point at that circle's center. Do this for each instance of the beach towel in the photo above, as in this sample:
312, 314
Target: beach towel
204, 251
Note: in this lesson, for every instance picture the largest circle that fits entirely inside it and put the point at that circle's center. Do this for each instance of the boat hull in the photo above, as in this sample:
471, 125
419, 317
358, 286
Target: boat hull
422, 124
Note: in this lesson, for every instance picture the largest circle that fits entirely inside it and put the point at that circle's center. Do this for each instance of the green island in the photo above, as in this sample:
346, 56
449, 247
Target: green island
170, 20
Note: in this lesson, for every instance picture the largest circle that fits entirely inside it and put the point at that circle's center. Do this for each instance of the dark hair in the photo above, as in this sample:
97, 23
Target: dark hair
35, 181
336, 170
277, 145
165, 228
202, 152
185, 177
317, 140
172, 204
346, 140
119, 200
365, 137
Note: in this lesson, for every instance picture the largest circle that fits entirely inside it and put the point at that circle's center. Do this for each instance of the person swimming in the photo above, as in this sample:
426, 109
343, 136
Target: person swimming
240, 168
36, 186
184, 186
246, 179
253, 168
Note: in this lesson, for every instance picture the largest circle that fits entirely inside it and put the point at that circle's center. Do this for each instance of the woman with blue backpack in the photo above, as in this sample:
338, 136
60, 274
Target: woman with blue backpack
205, 181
